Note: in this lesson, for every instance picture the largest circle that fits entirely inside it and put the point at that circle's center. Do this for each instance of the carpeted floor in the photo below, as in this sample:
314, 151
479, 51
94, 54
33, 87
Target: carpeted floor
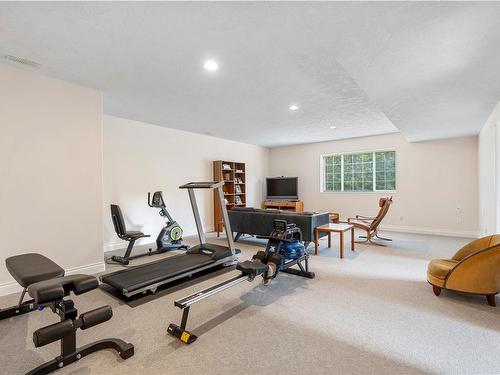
370, 313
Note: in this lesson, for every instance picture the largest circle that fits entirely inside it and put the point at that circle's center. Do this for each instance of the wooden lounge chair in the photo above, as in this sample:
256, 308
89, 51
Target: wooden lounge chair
370, 224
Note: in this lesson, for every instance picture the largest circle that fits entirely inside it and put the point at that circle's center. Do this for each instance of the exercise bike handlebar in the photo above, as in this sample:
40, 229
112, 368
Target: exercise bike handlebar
161, 206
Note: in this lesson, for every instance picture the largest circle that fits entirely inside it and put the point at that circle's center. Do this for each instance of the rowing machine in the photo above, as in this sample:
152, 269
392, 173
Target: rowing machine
284, 250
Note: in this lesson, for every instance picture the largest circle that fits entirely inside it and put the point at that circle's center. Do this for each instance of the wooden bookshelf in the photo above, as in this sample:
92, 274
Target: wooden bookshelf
234, 176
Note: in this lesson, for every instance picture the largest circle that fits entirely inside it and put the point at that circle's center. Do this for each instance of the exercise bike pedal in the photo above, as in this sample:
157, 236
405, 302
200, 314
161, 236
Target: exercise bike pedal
183, 335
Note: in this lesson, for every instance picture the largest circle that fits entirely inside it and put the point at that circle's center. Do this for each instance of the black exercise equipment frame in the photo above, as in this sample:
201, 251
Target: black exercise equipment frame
20, 308
69, 352
126, 258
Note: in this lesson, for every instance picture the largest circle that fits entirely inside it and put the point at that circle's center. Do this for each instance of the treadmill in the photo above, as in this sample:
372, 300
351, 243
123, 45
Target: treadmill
204, 256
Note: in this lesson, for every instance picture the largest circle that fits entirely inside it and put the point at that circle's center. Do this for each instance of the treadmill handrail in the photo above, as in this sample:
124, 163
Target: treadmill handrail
218, 190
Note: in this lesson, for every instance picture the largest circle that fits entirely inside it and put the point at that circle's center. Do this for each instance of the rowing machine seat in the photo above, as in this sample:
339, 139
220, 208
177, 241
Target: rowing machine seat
31, 268
54, 290
252, 268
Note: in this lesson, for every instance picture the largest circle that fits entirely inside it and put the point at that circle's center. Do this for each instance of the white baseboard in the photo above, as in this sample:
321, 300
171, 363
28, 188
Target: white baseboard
111, 246
90, 269
431, 231
115, 246
9, 288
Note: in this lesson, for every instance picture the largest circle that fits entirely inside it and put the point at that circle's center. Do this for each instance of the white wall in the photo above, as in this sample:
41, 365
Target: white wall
50, 170
140, 157
489, 175
437, 188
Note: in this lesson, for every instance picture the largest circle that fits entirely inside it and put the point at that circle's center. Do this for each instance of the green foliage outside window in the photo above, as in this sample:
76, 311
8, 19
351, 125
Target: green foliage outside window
367, 171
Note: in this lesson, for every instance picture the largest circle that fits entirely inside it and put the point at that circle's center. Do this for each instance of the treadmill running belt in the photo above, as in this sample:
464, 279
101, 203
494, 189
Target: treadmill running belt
151, 273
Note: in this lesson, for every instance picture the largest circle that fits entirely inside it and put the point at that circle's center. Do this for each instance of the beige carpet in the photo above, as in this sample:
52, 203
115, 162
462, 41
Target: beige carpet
370, 313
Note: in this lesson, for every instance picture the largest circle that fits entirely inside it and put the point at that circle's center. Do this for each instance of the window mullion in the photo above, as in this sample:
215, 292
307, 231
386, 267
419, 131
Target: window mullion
323, 173
342, 172
374, 172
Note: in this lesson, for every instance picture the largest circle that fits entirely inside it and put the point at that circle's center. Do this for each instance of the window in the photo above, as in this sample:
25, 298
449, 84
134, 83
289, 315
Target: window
366, 171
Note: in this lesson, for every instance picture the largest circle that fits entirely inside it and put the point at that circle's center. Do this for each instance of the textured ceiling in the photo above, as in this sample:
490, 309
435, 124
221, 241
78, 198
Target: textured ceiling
430, 70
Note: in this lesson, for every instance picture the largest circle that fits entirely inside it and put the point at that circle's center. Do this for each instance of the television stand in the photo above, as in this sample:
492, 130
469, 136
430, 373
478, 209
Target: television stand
295, 206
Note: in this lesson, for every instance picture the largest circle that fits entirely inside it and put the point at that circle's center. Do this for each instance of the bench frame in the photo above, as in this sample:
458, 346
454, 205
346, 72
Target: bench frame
69, 351
20, 308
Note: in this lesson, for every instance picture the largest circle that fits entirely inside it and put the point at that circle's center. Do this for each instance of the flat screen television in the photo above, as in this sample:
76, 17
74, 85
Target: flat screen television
282, 188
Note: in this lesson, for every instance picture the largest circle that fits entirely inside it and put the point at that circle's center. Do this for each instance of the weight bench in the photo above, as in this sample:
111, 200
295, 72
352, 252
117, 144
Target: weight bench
34, 273
28, 269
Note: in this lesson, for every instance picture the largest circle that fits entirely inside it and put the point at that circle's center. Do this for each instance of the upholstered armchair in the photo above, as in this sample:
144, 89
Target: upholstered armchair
475, 269
370, 224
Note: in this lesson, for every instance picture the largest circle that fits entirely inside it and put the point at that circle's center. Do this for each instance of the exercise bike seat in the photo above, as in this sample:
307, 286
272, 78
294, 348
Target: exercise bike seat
31, 268
251, 268
54, 290
135, 234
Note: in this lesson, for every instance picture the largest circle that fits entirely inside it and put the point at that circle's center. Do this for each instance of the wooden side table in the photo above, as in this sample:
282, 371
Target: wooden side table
337, 228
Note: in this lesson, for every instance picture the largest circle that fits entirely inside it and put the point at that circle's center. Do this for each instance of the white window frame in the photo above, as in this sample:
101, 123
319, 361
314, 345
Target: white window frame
322, 172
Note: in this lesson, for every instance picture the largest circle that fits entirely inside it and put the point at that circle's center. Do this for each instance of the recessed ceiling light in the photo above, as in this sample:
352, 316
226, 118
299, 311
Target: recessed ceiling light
211, 65
333, 127
293, 107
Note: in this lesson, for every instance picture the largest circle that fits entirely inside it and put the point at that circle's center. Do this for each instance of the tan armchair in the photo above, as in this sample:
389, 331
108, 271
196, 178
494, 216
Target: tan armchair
370, 224
475, 269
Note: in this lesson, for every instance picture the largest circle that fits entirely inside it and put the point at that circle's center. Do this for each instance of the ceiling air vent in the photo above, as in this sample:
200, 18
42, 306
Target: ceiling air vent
21, 60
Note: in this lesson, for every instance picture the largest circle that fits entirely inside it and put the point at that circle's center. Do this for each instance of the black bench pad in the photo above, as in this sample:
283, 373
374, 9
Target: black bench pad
55, 289
31, 268
251, 268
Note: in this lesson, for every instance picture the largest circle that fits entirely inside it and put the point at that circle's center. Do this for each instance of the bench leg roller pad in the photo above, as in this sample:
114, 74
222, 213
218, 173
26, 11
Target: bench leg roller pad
95, 317
54, 332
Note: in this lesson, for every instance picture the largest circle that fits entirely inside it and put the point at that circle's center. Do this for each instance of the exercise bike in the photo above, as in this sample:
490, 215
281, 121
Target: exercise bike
283, 251
170, 236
